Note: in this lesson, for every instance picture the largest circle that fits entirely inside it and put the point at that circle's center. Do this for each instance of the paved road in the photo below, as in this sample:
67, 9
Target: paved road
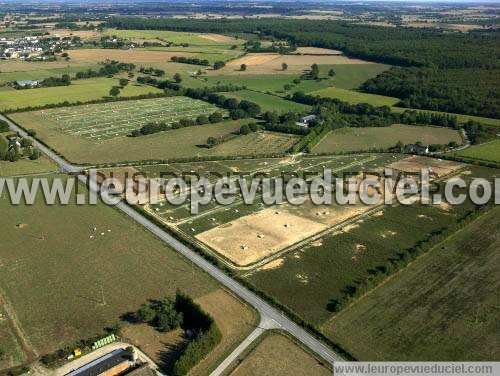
268, 313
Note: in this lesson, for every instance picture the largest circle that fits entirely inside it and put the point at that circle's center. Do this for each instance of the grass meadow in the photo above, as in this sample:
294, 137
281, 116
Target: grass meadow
355, 97
27, 166
355, 139
268, 102
80, 90
277, 355
489, 151
76, 277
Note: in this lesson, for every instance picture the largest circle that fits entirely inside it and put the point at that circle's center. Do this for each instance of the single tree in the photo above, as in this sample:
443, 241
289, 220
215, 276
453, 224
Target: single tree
284, 66
216, 117
114, 91
245, 129
243, 67
219, 65
123, 82
177, 78
146, 313
314, 71
331, 72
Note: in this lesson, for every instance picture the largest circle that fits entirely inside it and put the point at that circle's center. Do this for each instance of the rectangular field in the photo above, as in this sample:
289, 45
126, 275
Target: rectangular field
78, 91
277, 355
486, 152
356, 139
355, 97
268, 102
443, 307
109, 120
176, 143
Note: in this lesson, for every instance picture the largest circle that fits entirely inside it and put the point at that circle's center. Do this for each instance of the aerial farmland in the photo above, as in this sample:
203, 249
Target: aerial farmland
255, 96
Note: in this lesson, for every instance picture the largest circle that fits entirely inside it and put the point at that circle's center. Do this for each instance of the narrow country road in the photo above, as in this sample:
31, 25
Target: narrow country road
268, 313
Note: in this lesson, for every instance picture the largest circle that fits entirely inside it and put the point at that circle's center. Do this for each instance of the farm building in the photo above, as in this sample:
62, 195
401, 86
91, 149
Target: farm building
305, 120
27, 83
414, 148
110, 364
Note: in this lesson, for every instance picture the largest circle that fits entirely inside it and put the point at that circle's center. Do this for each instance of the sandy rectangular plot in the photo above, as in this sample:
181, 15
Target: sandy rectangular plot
415, 164
268, 63
317, 51
257, 236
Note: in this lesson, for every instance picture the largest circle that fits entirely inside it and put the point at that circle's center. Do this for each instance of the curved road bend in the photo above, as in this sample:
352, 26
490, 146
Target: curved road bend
267, 312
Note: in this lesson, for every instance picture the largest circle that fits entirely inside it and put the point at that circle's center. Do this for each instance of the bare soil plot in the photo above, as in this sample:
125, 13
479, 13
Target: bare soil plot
277, 355
415, 164
271, 63
84, 34
129, 56
317, 51
220, 38
254, 237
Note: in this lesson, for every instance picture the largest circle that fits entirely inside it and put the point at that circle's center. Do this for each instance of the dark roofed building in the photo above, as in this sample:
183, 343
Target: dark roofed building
110, 364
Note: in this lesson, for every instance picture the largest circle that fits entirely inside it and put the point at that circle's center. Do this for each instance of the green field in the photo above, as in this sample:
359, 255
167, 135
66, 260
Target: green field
351, 76
357, 139
268, 102
9, 344
461, 118
444, 306
80, 90
355, 97
26, 166
40, 74
76, 277
104, 121
489, 151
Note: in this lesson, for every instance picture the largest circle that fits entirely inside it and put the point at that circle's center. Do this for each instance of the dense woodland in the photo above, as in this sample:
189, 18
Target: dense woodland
436, 70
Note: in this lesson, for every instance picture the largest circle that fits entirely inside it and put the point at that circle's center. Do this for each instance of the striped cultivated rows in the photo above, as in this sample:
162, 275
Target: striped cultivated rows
116, 119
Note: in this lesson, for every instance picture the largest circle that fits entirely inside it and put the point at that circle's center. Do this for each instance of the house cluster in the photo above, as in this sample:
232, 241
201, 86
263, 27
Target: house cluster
31, 47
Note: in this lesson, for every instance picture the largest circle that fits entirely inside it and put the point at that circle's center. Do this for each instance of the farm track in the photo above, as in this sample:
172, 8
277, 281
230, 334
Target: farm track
268, 313
24, 341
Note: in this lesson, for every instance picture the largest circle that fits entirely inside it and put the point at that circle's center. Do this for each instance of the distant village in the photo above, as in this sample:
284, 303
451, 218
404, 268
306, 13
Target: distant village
34, 48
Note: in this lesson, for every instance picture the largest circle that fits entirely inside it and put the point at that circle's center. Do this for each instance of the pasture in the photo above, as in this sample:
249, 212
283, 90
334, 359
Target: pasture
489, 151
27, 166
356, 139
104, 121
75, 276
355, 97
453, 290
135, 56
350, 76
268, 102
78, 91
40, 74
277, 355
